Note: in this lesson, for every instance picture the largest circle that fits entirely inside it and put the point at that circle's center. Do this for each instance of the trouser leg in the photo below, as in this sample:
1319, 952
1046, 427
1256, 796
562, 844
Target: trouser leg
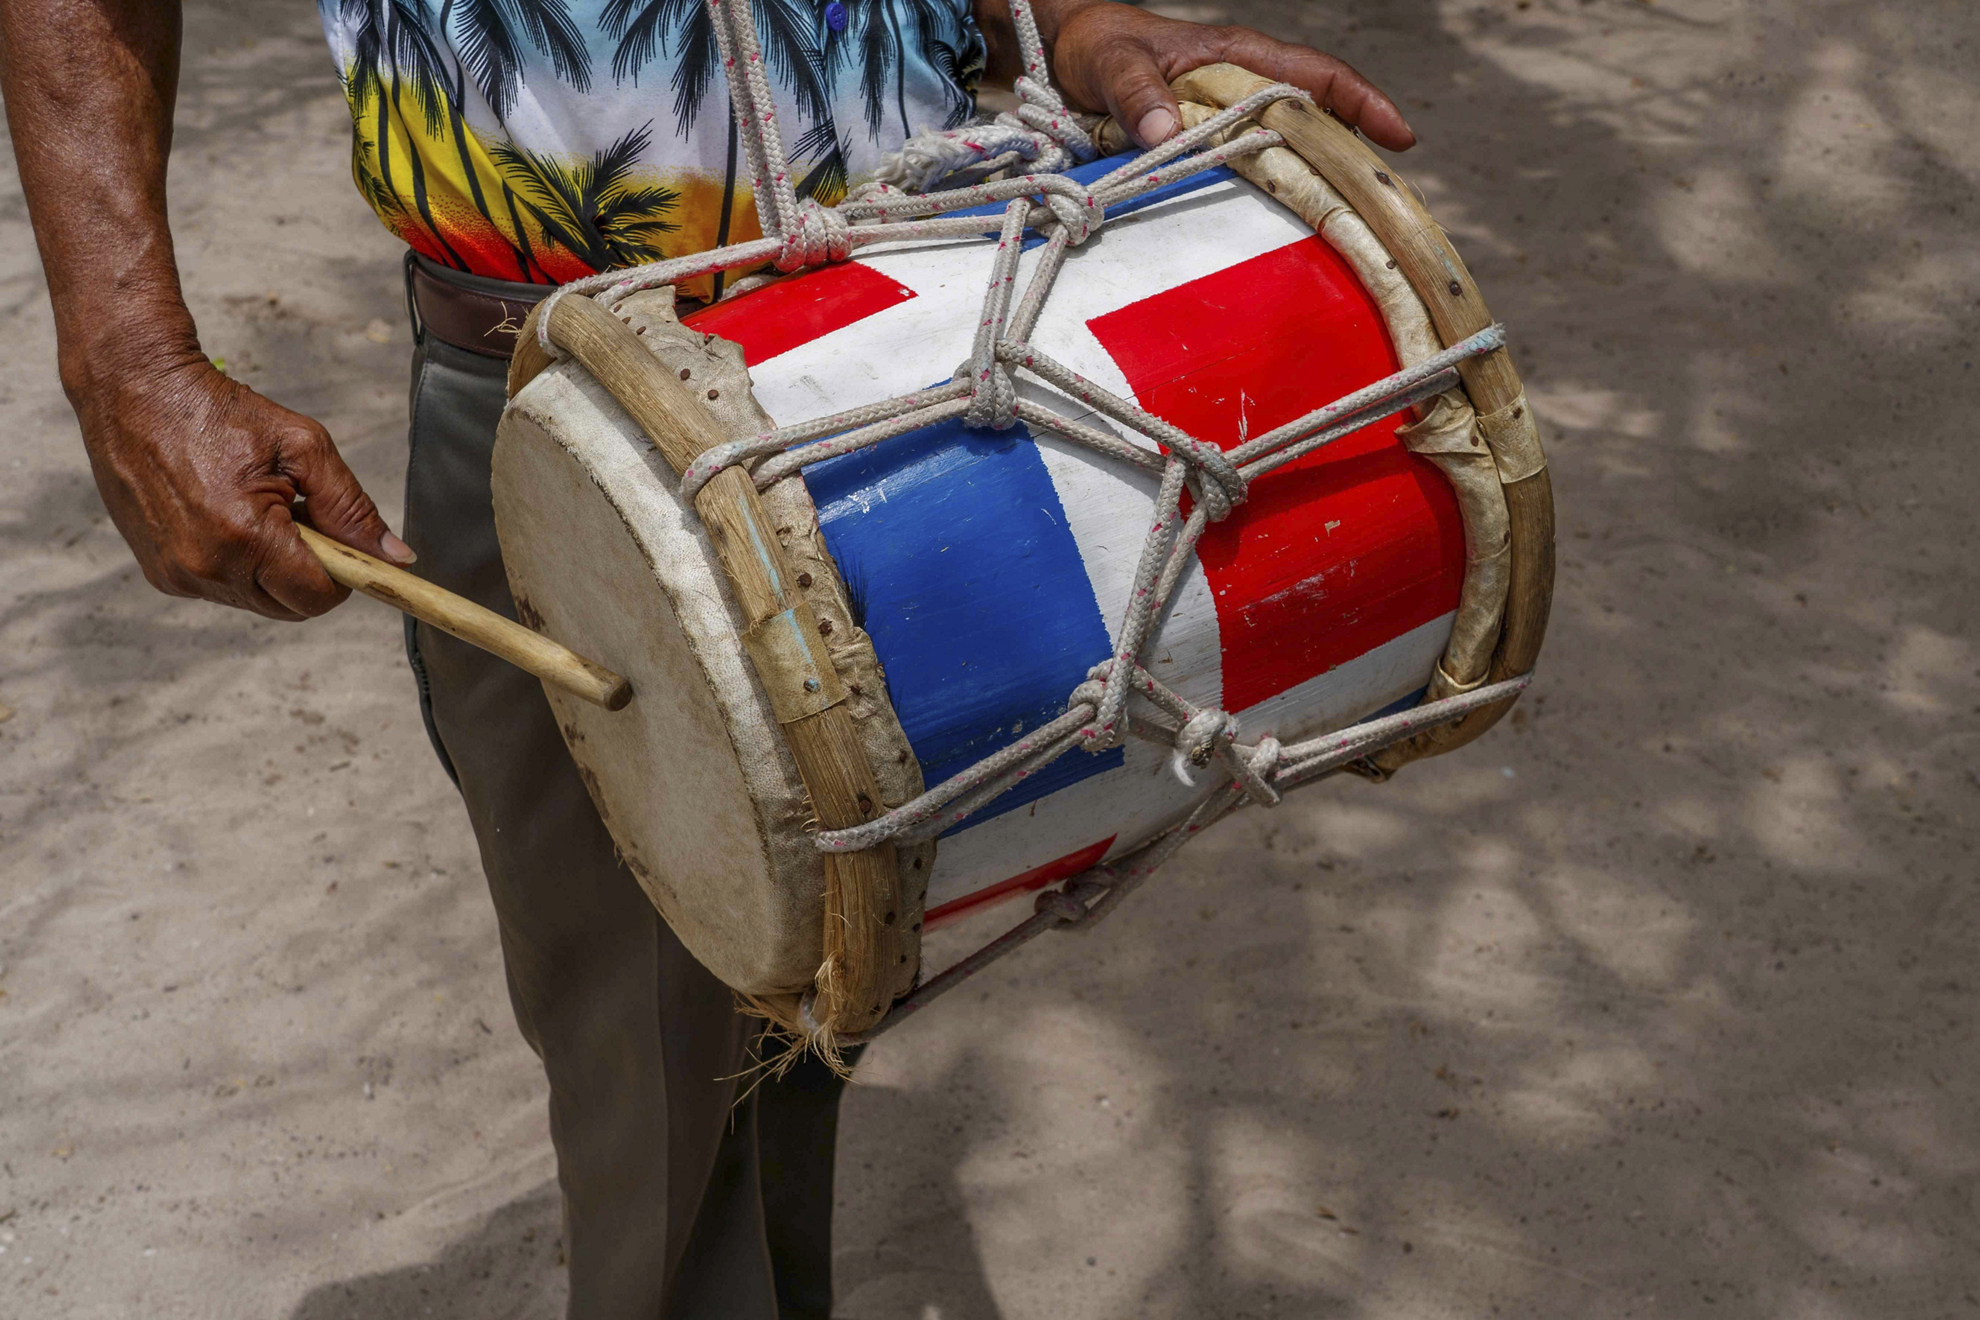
662, 1184
797, 1132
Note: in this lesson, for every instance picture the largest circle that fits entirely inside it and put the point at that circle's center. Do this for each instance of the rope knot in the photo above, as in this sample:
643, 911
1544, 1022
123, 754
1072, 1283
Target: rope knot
820, 235
1041, 110
992, 393
1201, 737
1091, 691
1225, 487
1093, 695
1254, 768
1074, 208
1041, 135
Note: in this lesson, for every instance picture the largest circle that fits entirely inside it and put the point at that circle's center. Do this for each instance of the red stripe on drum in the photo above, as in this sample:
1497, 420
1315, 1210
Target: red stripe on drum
1036, 878
1339, 552
794, 311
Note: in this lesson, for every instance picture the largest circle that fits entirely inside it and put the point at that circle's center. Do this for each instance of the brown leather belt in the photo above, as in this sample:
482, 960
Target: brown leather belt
470, 319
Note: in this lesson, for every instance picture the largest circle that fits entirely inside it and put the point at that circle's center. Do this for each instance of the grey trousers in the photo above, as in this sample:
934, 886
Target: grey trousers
679, 1203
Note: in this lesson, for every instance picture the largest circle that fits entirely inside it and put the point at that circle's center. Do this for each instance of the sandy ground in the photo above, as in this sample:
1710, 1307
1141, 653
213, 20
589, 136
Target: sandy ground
1659, 1003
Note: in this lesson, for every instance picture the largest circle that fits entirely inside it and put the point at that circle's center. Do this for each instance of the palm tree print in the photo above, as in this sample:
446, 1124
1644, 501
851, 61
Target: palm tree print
593, 209
788, 32
393, 52
787, 29
875, 38
488, 138
872, 39
491, 54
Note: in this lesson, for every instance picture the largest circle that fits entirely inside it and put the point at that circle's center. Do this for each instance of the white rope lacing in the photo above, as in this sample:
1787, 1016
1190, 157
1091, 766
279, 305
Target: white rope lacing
912, 196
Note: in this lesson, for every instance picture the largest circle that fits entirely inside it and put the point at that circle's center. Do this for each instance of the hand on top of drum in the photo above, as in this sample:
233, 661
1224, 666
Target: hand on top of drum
1119, 59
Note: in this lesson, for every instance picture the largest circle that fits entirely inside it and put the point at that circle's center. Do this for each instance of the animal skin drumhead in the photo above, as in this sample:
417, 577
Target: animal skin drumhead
692, 778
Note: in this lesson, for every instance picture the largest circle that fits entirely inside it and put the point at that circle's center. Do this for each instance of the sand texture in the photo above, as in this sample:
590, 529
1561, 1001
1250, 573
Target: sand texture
1660, 1002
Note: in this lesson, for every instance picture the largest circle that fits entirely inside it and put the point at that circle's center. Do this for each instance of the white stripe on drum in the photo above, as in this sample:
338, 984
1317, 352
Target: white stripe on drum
1138, 799
922, 340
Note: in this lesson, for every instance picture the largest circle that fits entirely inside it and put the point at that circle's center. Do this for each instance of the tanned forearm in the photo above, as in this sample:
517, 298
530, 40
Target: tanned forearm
200, 474
89, 92
1118, 59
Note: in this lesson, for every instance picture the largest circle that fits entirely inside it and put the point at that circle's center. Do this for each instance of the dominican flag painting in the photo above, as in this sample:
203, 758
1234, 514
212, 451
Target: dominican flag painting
993, 568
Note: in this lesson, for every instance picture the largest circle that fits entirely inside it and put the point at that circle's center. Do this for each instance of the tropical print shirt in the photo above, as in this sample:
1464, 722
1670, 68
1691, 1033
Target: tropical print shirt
543, 140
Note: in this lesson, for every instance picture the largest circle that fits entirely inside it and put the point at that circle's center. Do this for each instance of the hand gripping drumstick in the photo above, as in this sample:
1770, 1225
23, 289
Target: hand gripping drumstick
527, 650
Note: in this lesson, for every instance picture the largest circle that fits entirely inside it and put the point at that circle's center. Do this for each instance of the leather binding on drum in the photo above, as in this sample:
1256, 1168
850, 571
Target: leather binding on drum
1515, 441
1448, 435
874, 721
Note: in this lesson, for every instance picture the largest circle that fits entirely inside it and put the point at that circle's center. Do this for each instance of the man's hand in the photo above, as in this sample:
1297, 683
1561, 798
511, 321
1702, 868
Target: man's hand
1118, 59
201, 474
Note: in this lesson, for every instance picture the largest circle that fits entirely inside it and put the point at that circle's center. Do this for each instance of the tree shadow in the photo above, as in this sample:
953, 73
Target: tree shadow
909, 1247
508, 1268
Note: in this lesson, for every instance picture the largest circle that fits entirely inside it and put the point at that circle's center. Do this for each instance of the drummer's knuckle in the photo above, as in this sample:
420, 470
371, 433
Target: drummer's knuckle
304, 442
1228, 38
306, 430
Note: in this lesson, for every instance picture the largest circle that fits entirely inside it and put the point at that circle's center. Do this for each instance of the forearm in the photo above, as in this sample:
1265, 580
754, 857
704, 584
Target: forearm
201, 475
89, 87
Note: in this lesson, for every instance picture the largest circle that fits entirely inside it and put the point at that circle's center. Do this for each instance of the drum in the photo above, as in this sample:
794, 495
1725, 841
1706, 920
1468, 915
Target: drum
962, 581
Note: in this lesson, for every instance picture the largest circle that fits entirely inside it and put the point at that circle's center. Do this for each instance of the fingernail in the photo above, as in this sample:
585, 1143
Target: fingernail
1156, 126
396, 550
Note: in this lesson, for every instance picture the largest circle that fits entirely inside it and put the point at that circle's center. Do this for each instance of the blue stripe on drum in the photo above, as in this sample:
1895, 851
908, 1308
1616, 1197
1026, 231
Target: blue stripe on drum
960, 565
930, 531
1099, 169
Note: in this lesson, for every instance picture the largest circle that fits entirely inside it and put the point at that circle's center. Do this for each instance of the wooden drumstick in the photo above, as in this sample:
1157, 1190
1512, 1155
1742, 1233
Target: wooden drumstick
527, 650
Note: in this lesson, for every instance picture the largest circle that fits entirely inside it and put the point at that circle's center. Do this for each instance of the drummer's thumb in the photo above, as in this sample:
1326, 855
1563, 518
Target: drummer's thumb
1139, 95
333, 501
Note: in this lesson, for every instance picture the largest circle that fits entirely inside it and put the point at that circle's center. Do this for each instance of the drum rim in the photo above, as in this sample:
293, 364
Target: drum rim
592, 419
584, 419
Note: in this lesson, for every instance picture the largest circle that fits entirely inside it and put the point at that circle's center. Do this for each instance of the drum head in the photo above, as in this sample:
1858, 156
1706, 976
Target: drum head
692, 778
